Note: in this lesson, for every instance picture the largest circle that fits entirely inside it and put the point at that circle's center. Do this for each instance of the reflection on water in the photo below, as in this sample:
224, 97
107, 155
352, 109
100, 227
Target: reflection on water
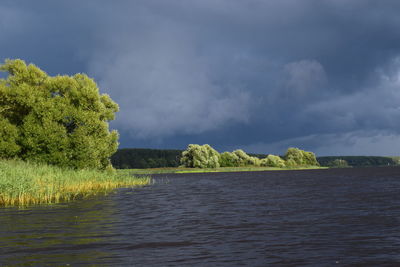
54, 234
320, 217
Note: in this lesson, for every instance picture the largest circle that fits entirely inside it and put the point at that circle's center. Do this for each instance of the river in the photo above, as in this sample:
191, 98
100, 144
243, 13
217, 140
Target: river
335, 217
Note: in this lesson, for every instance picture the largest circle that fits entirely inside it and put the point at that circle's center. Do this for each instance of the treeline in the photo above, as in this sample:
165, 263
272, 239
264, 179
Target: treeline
357, 161
197, 156
141, 158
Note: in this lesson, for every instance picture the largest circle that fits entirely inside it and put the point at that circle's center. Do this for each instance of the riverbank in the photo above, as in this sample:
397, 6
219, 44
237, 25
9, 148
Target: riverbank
206, 170
23, 183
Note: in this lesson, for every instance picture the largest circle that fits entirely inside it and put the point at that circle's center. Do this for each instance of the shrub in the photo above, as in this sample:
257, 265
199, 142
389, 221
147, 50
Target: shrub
309, 158
273, 161
246, 160
300, 157
228, 159
290, 163
196, 156
294, 155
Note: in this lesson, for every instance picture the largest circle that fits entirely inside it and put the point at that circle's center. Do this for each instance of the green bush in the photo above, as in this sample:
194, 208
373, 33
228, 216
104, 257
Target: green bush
309, 158
273, 161
228, 159
196, 156
298, 157
246, 160
290, 163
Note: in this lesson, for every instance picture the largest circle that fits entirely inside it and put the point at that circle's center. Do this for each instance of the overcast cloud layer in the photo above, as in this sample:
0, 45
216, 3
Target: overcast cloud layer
322, 75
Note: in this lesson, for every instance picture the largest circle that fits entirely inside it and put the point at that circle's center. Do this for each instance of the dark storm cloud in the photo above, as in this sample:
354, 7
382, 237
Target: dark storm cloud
263, 75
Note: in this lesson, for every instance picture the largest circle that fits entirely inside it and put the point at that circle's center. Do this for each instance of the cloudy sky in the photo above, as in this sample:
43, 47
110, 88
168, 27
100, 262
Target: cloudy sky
262, 75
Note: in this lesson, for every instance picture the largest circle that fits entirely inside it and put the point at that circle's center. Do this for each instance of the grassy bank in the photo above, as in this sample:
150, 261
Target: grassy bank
205, 170
24, 183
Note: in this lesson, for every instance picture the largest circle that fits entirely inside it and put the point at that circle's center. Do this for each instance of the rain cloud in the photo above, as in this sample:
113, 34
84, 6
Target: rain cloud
260, 75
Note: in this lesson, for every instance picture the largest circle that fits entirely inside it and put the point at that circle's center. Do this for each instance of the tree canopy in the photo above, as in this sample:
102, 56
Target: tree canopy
196, 156
298, 157
60, 120
273, 161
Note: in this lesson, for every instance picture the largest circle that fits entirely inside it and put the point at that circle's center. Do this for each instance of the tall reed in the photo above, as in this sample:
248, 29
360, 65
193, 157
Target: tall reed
23, 183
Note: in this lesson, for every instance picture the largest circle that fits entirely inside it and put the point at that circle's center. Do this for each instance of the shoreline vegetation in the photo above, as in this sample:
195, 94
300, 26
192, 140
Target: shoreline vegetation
197, 156
146, 158
182, 170
205, 159
25, 183
55, 141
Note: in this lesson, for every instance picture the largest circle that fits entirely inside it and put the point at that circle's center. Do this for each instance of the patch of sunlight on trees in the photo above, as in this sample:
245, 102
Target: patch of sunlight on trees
197, 156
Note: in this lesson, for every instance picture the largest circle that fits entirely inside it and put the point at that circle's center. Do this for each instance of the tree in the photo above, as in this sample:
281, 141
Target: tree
196, 156
295, 156
309, 158
273, 161
60, 120
338, 163
245, 159
228, 159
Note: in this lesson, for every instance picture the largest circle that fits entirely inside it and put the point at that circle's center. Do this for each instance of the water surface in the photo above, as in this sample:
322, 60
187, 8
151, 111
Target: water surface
315, 217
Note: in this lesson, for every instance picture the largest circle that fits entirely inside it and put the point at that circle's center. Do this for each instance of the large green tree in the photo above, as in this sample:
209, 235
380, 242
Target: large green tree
60, 120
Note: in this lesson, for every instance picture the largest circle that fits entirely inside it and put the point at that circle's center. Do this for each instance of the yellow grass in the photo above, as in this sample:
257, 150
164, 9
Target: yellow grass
24, 183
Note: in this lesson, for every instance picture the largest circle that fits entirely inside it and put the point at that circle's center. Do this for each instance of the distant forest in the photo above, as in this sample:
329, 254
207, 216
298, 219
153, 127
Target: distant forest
142, 158
360, 161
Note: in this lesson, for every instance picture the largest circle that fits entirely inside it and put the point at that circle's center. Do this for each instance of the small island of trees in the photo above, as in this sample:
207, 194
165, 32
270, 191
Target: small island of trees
204, 156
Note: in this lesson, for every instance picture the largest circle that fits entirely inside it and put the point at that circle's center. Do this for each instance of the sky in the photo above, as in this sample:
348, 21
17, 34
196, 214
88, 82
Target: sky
321, 75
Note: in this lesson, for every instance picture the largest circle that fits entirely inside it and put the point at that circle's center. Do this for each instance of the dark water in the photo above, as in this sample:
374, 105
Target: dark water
320, 218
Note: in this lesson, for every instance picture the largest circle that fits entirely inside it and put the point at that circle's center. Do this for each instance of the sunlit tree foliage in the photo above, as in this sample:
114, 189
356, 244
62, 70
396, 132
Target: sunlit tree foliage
60, 120
228, 159
196, 156
273, 161
298, 157
246, 160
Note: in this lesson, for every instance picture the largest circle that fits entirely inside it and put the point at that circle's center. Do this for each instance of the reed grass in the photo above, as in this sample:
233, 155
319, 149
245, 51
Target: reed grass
23, 183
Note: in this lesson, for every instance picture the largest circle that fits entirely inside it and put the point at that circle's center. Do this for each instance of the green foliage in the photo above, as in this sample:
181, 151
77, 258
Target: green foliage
245, 160
196, 156
273, 161
8, 141
130, 158
59, 120
291, 163
294, 155
133, 158
360, 161
309, 158
338, 163
228, 159
298, 157
201, 157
